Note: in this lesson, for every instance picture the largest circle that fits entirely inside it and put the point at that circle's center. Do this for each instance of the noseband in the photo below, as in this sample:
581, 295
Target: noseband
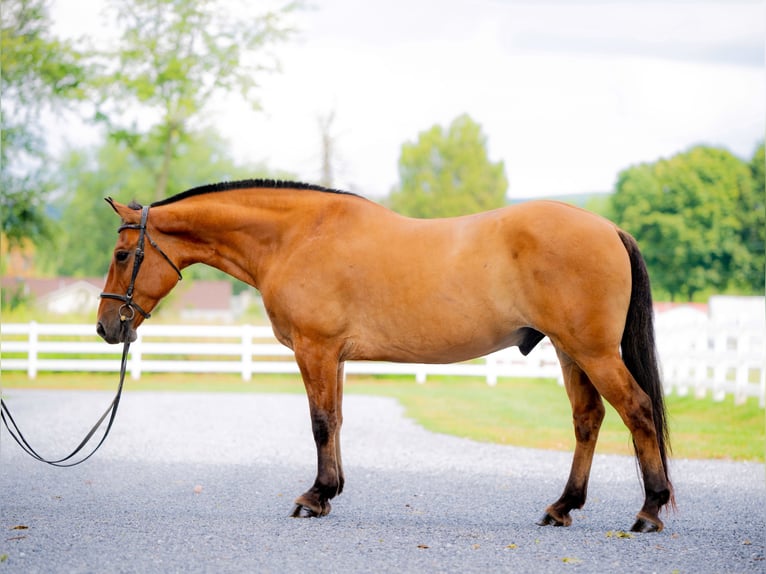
129, 307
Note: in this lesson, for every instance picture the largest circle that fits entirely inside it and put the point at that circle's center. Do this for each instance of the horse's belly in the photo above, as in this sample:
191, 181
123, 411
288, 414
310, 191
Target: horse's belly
441, 314
442, 343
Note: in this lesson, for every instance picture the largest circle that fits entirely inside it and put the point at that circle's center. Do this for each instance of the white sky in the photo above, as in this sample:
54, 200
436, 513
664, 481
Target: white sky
568, 93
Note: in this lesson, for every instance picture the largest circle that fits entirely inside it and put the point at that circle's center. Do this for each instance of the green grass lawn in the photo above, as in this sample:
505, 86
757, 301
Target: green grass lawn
523, 412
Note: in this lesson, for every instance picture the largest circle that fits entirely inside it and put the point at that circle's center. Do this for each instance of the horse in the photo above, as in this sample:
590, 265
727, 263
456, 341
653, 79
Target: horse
344, 278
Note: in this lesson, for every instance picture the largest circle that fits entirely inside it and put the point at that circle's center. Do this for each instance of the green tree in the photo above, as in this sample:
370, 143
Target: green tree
754, 224
39, 72
448, 172
88, 176
174, 57
689, 213
88, 230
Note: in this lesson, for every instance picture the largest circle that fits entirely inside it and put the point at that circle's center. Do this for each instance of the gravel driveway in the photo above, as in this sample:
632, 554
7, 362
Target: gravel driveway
204, 483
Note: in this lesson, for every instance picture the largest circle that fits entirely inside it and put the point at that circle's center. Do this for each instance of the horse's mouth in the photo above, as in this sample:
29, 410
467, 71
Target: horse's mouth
124, 333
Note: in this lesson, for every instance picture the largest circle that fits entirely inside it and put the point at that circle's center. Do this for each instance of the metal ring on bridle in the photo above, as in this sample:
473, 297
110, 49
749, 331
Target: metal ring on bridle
123, 312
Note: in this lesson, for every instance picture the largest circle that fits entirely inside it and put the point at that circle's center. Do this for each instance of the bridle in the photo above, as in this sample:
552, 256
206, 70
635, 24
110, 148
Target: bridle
129, 307
127, 312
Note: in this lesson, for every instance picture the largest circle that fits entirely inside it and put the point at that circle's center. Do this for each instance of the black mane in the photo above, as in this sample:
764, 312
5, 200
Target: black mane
243, 184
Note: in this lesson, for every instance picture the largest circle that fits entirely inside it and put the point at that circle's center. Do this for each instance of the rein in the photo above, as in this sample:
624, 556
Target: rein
17, 435
127, 312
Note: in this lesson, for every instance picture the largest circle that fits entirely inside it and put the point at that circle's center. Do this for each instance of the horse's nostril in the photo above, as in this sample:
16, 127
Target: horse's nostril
100, 330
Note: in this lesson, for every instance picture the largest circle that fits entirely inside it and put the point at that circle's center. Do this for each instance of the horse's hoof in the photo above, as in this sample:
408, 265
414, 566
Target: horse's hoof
549, 520
302, 511
646, 525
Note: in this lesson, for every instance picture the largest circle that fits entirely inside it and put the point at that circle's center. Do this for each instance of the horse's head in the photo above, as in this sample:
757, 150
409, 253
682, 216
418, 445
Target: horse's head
140, 274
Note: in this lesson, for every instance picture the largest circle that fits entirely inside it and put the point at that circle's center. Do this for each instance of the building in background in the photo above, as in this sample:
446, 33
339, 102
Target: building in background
205, 301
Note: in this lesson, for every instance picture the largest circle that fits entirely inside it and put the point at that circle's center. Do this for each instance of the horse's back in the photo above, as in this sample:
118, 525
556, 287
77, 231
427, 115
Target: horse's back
451, 289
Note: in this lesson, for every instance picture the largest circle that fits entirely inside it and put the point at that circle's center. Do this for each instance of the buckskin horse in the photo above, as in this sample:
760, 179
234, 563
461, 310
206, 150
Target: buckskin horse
343, 278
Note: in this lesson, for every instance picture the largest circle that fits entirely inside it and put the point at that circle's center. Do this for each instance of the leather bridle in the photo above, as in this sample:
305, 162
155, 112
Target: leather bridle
127, 312
129, 307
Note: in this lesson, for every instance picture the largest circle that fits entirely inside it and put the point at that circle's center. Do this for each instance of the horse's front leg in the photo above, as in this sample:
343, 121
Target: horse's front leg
323, 378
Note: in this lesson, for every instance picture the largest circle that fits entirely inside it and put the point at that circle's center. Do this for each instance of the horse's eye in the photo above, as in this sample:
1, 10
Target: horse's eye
122, 256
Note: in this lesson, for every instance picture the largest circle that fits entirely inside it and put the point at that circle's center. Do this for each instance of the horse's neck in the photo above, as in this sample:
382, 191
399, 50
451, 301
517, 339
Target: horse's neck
239, 235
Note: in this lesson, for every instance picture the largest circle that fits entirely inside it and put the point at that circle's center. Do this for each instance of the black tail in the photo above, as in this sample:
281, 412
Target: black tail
638, 347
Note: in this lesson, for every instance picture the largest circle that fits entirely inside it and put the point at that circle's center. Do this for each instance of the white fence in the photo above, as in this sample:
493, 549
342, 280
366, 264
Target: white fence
243, 349
698, 356
721, 356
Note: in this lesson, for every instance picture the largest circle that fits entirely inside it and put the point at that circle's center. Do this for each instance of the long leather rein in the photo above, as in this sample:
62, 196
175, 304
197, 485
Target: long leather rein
127, 312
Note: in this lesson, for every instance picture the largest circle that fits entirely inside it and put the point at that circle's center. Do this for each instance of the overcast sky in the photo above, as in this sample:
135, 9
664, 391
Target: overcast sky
568, 93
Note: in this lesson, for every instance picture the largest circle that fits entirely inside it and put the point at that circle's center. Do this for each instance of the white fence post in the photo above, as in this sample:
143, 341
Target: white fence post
33, 346
762, 393
491, 363
721, 369
247, 352
135, 358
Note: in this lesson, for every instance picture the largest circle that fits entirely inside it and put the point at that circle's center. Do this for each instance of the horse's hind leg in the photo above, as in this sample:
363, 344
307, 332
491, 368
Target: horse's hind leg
323, 379
587, 415
615, 383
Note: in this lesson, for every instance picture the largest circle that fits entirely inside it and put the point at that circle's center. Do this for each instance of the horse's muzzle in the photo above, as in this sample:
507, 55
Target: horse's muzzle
119, 333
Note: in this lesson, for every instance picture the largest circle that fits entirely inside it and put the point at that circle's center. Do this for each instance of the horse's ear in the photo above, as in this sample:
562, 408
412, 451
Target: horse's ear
127, 214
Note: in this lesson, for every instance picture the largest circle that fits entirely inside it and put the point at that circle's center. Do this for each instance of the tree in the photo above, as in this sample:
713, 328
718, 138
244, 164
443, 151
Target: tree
754, 224
88, 230
174, 57
690, 214
38, 72
448, 172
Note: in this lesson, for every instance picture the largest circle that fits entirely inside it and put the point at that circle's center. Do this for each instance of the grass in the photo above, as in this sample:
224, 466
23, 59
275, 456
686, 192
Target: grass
523, 412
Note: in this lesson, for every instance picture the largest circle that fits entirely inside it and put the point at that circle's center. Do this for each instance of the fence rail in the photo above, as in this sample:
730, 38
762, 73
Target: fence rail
697, 358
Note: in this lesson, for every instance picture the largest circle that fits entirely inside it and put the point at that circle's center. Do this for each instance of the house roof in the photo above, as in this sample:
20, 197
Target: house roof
204, 295
663, 306
39, 288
